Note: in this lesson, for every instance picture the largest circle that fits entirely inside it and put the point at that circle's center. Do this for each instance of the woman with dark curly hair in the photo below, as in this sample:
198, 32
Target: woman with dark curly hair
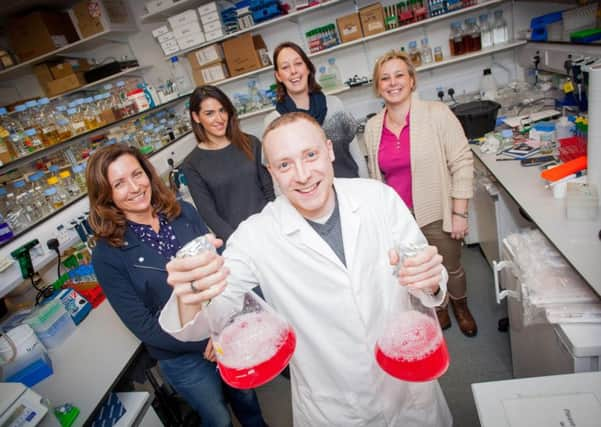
139, 226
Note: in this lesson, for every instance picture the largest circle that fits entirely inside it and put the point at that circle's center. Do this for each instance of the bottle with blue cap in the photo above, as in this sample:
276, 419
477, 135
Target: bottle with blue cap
180, 77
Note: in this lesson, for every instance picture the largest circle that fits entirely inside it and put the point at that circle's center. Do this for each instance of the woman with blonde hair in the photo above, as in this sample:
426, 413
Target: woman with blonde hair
139, 226
420, 149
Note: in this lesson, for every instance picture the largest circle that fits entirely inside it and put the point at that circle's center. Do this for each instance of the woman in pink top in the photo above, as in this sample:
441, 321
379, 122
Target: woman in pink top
419, 148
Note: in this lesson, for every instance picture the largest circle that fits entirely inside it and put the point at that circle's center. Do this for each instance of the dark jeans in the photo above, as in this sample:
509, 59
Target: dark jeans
198, 382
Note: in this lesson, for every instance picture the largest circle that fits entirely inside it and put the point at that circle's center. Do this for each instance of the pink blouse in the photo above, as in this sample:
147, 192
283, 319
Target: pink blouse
394, 159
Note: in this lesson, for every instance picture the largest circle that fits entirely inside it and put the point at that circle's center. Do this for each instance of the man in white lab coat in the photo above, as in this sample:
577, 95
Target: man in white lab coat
321, 254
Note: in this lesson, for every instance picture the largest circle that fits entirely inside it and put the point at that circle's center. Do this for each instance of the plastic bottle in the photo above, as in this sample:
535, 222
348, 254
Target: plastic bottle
426, 52
564, 128
333, 70
500, 33
414, 54
485, 32
180, 76
488, 85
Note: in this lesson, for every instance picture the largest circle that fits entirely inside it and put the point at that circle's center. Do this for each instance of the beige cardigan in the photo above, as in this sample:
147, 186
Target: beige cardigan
441, 160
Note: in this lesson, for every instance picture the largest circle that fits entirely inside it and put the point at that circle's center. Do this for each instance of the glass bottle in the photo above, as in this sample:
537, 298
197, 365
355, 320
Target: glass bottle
485, 32
334, 71
53, 198
426, 51
438, 57
475, 43
76, 119
7, 150
456, 44
48, 122
68, 184
15, 131
79, 176
414, 55
63, 126
500, 32
33, 138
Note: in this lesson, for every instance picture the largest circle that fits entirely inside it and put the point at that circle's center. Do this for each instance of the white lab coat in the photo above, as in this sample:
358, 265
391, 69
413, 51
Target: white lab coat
336, 311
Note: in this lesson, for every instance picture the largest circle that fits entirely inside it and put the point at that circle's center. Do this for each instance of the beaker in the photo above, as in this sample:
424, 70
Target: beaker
412, 347
252, 343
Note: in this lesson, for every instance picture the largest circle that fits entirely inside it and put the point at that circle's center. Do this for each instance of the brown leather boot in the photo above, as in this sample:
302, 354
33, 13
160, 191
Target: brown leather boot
467, 324
443, 317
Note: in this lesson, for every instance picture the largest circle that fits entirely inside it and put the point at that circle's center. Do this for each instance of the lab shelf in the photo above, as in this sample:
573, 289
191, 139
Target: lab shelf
64, 144
293, 16
77, 199
87, 43
270, 109
104, 80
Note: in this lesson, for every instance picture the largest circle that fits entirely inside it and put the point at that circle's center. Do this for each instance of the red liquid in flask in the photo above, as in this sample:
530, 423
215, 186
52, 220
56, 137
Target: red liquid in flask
413, 348
254, 350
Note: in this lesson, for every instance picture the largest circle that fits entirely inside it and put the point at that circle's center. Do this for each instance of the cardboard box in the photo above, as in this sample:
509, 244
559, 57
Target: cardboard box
190, 40
64, 84
210, 17
186, 30
40, 32
69, 66
349, 27
153, 6
212, 26
205, 56
372, 19
43, 74
163, 38
215, 34
87, 24
183, 18
212, 73
241, 53
157, 32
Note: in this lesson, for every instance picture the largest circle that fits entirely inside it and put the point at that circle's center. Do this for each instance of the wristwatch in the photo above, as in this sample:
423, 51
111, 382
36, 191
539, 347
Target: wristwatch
461, 214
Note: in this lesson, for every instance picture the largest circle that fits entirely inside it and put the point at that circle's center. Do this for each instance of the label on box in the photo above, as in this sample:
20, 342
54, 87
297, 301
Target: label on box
206, 56
350, 29
160, 31
191, 40
213, 73
183, 18
207, 8
209, 17
166, 37
212, 26
186, 30
153, 6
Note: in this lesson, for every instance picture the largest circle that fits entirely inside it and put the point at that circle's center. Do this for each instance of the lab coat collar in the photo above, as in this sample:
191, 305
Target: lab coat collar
295, 226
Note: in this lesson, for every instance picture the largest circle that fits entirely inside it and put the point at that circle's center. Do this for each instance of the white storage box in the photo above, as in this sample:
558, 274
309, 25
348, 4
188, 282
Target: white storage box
183, 18
205, 56
170, 47
157, 32
153, 6
164, 38
212, 35
210, 17
212, 26
191, 40
186, 30
207, 8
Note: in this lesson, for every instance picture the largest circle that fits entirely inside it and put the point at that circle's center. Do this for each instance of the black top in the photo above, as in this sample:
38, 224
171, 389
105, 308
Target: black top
226, 186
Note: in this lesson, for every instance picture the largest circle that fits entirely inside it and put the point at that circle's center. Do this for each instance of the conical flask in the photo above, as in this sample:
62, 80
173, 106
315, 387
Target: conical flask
411, 346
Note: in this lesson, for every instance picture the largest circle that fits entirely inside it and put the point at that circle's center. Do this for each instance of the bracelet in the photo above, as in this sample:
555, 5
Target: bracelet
461, 214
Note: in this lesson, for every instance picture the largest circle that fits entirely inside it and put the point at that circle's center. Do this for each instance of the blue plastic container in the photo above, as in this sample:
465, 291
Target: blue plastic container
33, 373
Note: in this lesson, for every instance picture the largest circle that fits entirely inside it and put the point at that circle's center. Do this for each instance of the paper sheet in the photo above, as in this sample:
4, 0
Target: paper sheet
561, 410
515, 122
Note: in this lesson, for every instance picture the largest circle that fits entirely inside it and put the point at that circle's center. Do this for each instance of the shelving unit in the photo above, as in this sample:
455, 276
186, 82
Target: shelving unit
175, 8
78, 198
104, 80
62, 145
88, 43
289, 17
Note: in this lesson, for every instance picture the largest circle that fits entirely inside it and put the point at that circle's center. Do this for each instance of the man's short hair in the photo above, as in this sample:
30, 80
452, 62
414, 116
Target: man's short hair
288, 118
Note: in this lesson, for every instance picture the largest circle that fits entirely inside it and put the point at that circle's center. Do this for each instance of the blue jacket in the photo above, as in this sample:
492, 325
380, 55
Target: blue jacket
134, 279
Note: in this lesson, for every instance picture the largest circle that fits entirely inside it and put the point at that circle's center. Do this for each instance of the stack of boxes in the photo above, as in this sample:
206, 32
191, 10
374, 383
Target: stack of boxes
368, 21
59, 77
210, 17
186, 29
208, 65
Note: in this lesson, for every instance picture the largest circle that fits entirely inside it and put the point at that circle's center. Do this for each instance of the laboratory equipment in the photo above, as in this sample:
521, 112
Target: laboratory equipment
20, 405
412, 347
252, 343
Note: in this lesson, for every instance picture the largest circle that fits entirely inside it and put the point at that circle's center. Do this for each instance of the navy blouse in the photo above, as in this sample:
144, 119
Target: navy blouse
164, 242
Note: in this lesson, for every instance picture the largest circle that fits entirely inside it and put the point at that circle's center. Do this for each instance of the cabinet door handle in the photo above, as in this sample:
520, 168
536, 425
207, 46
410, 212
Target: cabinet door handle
500, 295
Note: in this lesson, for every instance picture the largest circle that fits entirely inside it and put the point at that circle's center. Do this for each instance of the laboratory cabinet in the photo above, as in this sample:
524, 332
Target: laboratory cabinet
541, 348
